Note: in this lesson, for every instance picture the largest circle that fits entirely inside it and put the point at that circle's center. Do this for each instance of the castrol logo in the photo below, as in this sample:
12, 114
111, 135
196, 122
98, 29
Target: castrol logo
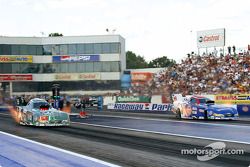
210, 38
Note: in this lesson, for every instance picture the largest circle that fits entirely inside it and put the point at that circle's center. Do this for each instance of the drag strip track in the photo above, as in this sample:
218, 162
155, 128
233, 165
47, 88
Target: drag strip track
213, 131
122, 148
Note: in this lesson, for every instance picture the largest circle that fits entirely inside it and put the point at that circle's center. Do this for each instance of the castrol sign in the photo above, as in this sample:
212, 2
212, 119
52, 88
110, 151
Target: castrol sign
211, 38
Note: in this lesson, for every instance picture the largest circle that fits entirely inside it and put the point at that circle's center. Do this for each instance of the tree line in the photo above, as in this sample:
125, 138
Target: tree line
136, 61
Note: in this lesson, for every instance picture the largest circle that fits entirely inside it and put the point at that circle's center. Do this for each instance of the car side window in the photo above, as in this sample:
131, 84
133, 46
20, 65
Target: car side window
28, 105
193, 101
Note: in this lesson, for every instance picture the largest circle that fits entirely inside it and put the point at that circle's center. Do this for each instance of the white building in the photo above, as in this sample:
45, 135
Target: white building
80, 64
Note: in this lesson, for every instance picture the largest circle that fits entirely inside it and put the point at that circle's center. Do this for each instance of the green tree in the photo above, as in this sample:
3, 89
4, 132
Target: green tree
135, 61
55, 34
161, 62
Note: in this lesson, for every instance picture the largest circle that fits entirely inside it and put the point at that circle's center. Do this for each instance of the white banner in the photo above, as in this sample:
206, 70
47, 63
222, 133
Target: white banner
139, 106
211, 38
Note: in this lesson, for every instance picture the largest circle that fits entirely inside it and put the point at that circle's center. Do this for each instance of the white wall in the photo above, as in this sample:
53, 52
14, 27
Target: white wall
51, 77
42, 59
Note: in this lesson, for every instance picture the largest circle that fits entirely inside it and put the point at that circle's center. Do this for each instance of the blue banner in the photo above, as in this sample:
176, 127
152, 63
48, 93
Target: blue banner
126, 81
78, 58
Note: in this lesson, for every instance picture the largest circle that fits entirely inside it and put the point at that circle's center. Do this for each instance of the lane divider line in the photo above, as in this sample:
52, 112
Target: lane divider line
155, 119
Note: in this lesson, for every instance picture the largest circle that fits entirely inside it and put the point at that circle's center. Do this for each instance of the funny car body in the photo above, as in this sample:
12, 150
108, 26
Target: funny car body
38, 112
199, 107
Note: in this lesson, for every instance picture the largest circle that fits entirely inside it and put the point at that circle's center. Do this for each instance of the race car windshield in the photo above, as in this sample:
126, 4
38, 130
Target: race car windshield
204, 100
38, 104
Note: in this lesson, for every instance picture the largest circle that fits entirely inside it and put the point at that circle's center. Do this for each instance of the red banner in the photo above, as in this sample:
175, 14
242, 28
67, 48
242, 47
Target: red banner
15, 77
249, 47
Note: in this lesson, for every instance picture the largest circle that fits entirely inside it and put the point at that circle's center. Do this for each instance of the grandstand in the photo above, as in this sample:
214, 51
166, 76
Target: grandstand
207, 74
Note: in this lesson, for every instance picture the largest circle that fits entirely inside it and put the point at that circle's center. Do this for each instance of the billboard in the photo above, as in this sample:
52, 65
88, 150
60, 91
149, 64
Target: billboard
232, 99
133, 99
15, 77
78, 58
211, 38
16, 59
76, 77
126, 81
140, 107
141, 76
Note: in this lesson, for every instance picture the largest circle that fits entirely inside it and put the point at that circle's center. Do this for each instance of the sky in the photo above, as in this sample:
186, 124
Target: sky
152, 28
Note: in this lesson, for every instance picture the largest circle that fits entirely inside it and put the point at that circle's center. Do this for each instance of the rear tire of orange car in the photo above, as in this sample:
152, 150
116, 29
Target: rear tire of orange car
178, 112
205, 115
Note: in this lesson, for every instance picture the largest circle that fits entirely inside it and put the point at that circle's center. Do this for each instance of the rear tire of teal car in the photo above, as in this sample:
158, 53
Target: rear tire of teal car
178, 114
18, 118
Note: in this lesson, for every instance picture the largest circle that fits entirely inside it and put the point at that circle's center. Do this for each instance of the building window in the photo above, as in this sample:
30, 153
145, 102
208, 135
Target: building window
80, 48
55, 49
5, 50
106, 66
15, 50
89, 48
63, 49
89, 67
64, 67
97, 67
80, 67
97, 48
47, 49
72, 67
114, 48
72, 49
105, 48
39, 50
31, 50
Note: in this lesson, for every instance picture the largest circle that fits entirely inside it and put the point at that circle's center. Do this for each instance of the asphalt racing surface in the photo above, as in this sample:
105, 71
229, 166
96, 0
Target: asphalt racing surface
211, 130
115, 140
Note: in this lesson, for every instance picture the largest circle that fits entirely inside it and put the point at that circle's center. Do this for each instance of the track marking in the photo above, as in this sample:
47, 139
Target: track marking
5, 114
62, 150
163, 133
188, 121
165, 120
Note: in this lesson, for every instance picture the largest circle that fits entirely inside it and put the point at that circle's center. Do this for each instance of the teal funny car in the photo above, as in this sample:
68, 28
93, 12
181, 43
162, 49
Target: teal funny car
38, 112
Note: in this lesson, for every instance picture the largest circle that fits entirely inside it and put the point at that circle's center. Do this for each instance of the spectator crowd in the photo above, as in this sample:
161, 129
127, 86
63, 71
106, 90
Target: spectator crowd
207, 74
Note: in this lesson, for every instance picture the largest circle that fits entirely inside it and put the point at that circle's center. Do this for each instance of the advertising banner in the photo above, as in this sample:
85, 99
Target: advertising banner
133, 99
81, 76
74, 58
89, 76
16, 59
15, 77
232, 99
140, 107
141, 76
126, 81
211, 38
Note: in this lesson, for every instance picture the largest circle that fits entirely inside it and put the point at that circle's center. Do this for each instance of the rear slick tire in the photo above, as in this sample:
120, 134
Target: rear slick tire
178, 112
